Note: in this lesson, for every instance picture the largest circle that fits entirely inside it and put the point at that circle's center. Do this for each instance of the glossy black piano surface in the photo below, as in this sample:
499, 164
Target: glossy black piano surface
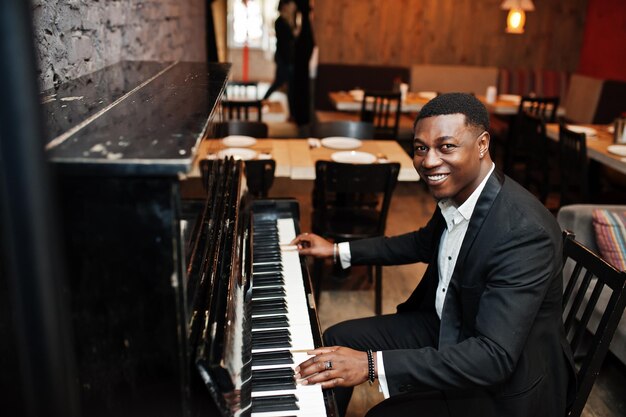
118, 146
133, 118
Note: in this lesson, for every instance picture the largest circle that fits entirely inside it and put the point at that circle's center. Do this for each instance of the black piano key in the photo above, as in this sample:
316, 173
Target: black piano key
271, 344
278, 357
277, 267
268, 322
268, 292
281, 309
266, 257
268, 303
274, 403
273, 386
273, 373
262, 277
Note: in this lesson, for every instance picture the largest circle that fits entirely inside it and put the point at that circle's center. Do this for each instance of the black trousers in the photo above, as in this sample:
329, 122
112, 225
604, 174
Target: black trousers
410, 330
284, 75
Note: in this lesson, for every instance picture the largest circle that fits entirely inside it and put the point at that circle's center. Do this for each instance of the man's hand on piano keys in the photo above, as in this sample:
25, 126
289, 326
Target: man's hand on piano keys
314, 245
333, 366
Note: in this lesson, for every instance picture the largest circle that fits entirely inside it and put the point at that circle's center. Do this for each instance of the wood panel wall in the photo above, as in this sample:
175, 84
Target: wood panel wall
470, 32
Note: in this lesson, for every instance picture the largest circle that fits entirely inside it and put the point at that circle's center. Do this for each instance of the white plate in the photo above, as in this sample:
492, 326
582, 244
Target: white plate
427, 94
511, 97
237, 141
353, 157
340, 142
589, 131
237, 153
617, 149
357, 95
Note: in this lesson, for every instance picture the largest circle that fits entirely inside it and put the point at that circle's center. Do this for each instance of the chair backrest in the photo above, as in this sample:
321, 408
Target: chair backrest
593, 282
382, 108
534, 140
335, 178
544, 107
242, 109
351, 129
573, 166
242, 127
244, 90
260, 176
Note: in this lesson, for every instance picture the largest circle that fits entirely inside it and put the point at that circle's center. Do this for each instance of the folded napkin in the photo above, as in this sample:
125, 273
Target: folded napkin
314, 142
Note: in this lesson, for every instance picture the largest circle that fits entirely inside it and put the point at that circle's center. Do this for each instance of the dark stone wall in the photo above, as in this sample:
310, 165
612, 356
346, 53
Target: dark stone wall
77, 37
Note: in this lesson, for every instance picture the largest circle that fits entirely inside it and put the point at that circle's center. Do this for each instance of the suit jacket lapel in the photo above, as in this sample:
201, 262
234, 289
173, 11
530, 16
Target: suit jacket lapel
450, 320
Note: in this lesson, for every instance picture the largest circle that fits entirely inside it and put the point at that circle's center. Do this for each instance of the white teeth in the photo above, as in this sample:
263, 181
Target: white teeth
436, 177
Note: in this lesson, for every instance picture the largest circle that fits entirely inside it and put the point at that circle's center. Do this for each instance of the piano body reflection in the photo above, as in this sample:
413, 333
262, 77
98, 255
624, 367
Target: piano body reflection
169, 297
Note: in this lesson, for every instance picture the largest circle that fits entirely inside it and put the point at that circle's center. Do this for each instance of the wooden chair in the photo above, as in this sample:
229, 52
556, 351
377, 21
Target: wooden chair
242, 109
574, 166
592, 280
382, 109
358, 130
346, 218
537, 176
242, 127
516, 154
260, 176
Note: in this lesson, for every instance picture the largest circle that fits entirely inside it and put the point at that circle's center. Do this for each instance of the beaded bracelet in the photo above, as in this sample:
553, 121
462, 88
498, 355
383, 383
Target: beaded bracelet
371, 375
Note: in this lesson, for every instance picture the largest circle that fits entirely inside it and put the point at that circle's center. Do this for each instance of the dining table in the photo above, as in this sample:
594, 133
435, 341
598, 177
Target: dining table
503, 105
600, 144
295, 158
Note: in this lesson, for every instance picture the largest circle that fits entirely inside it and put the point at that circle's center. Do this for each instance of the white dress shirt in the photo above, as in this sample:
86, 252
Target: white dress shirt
457, 221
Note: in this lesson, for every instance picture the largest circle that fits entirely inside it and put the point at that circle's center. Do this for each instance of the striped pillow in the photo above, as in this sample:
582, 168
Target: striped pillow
610, 230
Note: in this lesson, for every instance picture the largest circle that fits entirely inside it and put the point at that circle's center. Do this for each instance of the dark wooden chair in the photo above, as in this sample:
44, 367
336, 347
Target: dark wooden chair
241, 127
242, 109
260, 176
515, 149
339, 213
574, 166
382, 109
351, 129
592, 280
537, 176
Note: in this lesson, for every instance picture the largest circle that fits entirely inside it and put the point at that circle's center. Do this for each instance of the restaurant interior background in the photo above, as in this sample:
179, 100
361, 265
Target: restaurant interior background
354, 38
576, 36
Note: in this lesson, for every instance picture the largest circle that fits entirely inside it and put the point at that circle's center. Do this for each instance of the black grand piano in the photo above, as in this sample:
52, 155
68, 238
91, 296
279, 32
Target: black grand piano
172, 307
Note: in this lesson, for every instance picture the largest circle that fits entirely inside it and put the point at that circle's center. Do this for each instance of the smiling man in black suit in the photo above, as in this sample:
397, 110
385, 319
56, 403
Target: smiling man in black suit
482, 333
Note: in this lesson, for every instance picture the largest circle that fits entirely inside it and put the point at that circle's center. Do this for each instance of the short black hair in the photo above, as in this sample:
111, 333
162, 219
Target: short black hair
452, 103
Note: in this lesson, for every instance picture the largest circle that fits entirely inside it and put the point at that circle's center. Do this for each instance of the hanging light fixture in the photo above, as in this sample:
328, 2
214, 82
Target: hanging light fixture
517, 14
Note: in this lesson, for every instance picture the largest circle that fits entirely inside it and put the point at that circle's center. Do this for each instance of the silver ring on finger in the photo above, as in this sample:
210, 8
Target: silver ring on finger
328, 365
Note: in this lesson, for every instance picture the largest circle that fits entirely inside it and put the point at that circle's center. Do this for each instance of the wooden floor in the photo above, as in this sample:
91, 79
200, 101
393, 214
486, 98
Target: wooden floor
411, 207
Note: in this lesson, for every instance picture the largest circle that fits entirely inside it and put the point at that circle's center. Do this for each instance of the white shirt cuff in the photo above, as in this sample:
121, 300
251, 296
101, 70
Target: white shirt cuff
344, 254
382, 379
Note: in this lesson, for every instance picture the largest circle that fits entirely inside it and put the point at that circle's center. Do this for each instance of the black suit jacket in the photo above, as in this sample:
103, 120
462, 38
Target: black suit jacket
501, 326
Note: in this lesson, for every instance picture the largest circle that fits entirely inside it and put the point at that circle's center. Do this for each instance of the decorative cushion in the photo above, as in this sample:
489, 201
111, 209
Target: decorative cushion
610, 231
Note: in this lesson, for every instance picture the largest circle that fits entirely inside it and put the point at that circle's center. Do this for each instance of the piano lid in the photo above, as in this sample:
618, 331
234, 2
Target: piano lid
132, 118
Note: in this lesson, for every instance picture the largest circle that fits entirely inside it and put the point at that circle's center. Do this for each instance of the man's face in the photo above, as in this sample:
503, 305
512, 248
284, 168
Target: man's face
448, 156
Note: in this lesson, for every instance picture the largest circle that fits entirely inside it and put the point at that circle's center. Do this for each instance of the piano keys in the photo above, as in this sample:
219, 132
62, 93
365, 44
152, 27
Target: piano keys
247, 360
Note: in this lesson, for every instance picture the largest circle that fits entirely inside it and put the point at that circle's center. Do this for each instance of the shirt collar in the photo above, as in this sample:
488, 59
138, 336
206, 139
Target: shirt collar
450, 212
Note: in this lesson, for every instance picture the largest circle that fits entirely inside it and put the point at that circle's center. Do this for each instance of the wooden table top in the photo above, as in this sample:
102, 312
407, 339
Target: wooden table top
343, 101
597, 146
503, 105
295, 159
